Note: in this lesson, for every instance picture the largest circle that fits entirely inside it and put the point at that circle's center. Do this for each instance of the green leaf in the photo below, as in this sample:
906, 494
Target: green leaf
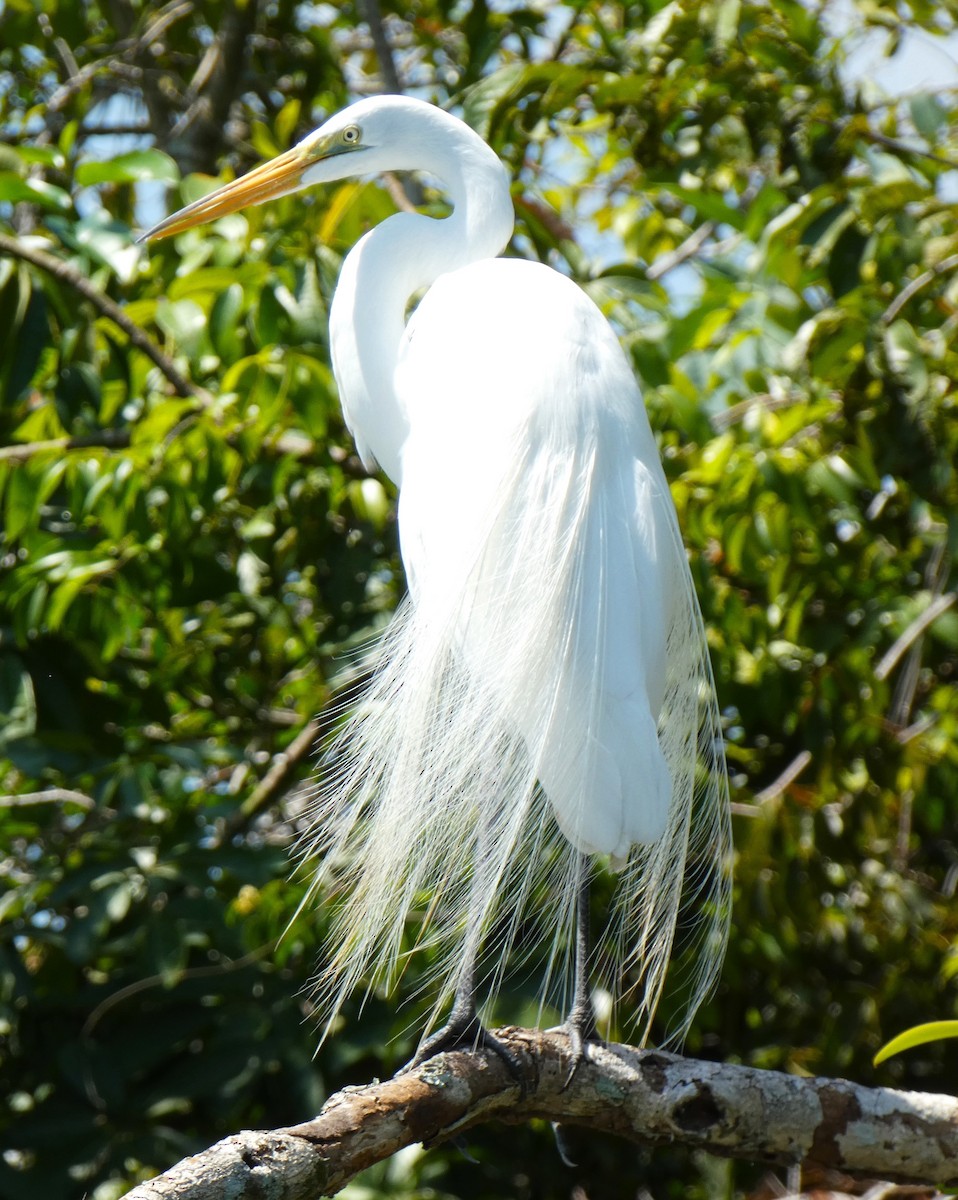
46, 156
185, 322
264, 143
726, 21
129, 168
906, 358
224, 321
15, 190
481, 101
928, 113
18, 707
29, 488
918, 1035
286, 121
946, 629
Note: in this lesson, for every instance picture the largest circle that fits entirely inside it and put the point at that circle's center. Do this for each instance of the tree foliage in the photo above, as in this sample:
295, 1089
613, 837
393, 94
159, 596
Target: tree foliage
192, 553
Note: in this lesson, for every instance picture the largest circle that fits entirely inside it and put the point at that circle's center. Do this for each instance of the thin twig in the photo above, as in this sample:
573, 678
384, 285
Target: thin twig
920, 281
161, 21
398, 193
786, 779
276, 776
66, 57
690, 247
407, 194
111, 439
71, 276
914, 631
48, 796
66, 91
126, 48
882, 139
292, 443
199, 133
916, 729
152, 981
737, 412
135, 128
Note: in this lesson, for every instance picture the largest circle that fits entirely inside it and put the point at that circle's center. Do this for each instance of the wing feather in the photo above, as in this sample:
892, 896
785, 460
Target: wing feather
546, 688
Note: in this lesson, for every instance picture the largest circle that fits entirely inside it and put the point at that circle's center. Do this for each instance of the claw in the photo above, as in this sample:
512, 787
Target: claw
463, 1147
464, 1031
581, 1029
562, 1145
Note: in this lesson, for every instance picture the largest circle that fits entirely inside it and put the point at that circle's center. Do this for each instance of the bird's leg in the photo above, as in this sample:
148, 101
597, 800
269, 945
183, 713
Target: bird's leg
580, 1024
463, 1030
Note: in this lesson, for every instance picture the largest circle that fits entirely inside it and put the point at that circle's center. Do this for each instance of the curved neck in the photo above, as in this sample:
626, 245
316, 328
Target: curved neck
405, 254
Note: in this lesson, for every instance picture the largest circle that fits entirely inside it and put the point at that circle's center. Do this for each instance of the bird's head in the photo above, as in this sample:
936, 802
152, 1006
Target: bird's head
381, 133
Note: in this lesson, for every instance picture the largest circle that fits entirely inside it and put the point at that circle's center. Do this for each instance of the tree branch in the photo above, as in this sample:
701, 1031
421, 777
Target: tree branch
915, 630
643, 1095
122, 18
275, 778
292, 443
48, 796
197, 138
159, 981
736, 412
373, 17
110, 439
919, 282
785, 780
899, 147
103, 304
690, 247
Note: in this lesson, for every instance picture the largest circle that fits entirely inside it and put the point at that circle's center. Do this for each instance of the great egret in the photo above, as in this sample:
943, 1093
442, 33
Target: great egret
543, 702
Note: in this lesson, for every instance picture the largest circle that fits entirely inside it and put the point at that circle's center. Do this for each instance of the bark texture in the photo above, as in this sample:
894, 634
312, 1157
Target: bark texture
644, 1095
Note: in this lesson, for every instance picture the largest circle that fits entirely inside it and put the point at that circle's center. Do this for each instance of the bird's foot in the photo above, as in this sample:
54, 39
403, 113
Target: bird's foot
581, 1029
464, 1031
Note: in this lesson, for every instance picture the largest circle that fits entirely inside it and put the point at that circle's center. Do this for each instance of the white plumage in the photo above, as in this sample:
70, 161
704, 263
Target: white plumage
545, 691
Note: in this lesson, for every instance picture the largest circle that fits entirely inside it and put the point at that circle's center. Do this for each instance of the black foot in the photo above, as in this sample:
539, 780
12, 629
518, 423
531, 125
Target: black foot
582, 1031
464, 1031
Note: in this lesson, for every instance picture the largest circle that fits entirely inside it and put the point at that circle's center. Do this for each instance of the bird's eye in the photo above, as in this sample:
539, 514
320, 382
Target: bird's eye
351, 135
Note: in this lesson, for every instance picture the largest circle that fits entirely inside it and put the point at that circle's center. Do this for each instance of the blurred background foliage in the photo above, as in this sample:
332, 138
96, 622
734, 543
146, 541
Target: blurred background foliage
191, 551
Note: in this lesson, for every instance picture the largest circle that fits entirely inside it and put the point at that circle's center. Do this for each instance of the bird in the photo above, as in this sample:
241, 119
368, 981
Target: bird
541, 710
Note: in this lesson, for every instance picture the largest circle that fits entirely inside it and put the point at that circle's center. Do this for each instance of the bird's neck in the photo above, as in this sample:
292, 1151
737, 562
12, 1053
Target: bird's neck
385, 270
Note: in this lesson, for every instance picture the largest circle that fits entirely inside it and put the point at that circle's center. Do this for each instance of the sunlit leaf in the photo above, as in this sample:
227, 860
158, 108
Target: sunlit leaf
132, 167
15, 189
918, 1035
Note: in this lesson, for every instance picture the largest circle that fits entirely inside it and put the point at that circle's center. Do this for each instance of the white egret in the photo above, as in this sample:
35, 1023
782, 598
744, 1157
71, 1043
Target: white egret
542, 704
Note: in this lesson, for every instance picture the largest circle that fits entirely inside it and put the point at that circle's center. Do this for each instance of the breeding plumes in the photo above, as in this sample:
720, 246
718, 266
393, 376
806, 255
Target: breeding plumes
542, 705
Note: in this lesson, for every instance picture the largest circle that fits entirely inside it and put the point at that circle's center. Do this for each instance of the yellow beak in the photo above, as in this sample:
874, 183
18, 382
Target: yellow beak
271, 179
